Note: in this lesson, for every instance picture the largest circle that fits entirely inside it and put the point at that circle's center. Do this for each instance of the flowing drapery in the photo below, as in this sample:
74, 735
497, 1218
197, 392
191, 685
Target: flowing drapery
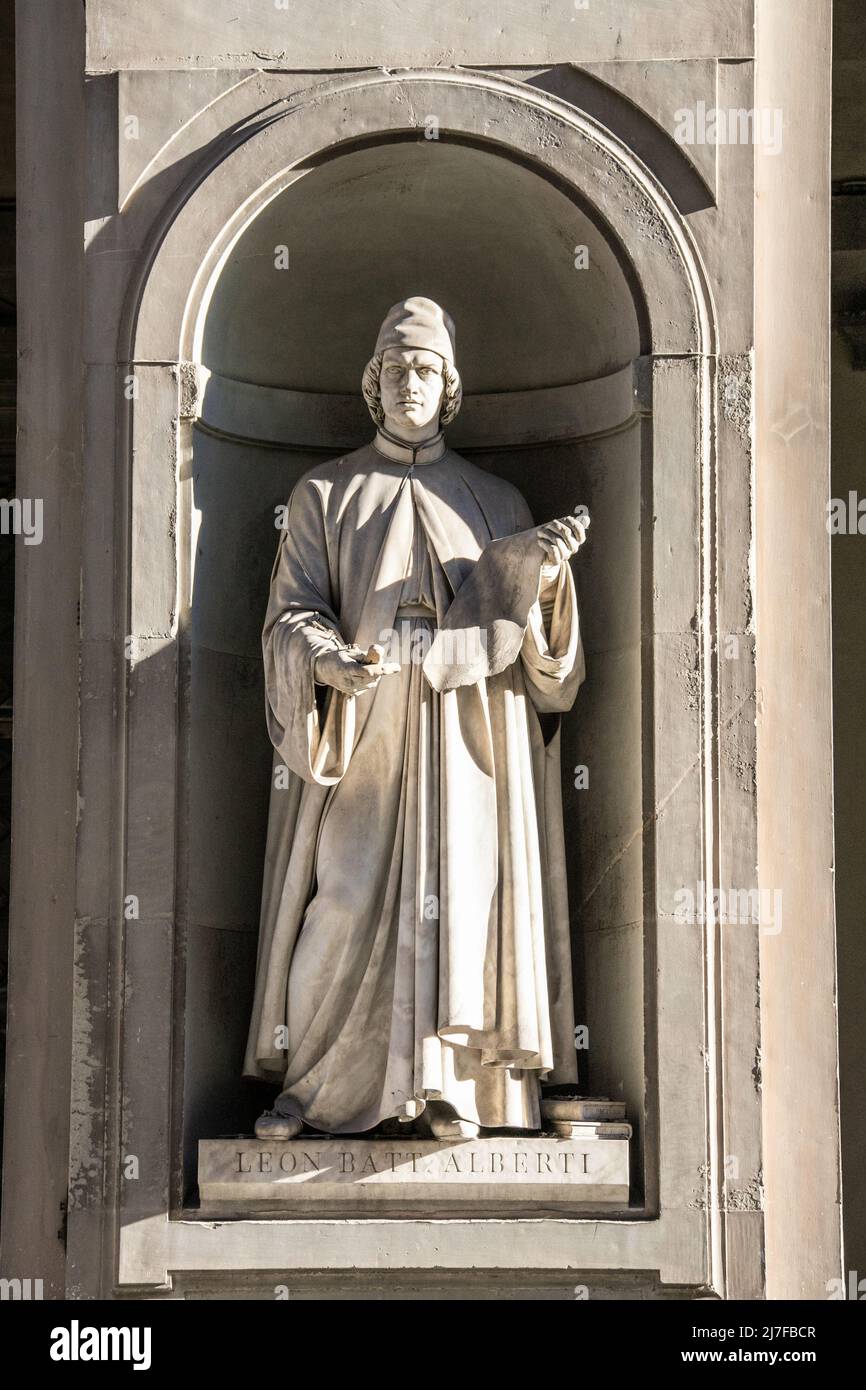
414, 939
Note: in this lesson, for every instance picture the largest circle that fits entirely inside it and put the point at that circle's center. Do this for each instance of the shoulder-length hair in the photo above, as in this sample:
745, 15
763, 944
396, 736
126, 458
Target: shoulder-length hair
452, 395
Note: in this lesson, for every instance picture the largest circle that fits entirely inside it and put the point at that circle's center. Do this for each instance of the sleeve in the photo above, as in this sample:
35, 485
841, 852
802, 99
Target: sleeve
311, 731
496, 619
552, 653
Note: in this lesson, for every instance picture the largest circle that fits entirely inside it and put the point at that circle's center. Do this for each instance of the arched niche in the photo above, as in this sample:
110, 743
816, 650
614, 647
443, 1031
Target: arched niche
290, 307
624, 425
548, 333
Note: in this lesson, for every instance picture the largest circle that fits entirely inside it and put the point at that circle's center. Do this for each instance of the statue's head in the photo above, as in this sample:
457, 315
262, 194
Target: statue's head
411, 384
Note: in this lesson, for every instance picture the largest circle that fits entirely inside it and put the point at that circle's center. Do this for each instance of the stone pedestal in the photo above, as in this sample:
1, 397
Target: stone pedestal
312, 1173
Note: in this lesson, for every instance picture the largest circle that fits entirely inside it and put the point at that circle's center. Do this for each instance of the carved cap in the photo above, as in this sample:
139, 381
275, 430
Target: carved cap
418, 323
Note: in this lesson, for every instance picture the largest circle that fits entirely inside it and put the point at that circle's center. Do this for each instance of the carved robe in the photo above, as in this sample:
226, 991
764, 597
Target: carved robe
414, 939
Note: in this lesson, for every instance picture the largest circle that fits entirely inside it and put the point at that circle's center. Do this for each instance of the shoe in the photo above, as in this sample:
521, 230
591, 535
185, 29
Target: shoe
270, 1125
442, 1123
444, 1128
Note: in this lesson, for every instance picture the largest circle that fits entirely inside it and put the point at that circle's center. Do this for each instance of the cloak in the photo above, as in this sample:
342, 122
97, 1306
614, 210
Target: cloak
414, 934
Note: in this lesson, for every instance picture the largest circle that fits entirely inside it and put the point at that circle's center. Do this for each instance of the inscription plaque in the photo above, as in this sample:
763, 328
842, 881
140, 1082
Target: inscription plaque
591, 1168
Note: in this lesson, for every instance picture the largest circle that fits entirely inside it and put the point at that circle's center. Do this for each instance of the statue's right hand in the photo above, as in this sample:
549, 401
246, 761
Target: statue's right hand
345, 670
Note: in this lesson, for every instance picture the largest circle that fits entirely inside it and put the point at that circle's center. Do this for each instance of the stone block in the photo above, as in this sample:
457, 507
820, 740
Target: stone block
316, 1172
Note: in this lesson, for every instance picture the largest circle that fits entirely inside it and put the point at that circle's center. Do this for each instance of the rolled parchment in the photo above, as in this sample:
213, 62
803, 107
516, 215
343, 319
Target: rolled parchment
482, 632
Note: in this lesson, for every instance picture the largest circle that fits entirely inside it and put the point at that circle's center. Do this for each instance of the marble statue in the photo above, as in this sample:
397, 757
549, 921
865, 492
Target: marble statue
414, 959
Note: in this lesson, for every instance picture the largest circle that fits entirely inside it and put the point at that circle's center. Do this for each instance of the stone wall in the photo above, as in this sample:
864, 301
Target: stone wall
201, 383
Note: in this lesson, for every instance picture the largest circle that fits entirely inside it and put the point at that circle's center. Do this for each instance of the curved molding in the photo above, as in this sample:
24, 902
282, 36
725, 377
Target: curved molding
231, 184
507, 419
283, 143
642, 114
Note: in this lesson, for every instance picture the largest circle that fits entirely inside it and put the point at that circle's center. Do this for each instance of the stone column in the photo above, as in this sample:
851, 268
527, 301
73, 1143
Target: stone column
795, 793
51, 182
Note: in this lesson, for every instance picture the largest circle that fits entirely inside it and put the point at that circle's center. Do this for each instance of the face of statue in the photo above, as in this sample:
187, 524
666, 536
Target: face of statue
411, 386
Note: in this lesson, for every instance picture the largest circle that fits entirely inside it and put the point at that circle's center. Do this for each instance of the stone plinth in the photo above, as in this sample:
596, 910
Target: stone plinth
589, 1168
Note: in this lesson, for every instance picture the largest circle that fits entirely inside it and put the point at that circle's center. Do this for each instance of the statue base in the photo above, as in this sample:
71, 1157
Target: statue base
588, 1168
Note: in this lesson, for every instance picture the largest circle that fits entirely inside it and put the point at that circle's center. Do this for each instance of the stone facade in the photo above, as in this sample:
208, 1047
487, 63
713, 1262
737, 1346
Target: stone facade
235, 185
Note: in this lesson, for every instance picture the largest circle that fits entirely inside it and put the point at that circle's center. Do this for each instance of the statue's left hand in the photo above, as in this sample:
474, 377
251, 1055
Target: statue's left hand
561, 539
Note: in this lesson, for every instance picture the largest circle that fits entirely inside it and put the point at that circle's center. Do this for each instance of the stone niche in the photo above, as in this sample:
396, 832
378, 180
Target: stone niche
588, 263
547, 347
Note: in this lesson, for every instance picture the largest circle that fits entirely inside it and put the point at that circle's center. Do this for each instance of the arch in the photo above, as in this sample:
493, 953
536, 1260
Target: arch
560, 143
164, 311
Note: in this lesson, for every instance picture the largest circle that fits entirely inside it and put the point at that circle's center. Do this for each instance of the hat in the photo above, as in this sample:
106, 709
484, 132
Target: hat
418, 323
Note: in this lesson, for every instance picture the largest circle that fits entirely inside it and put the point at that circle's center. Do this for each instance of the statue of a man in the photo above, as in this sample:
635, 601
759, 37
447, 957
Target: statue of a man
414, 955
